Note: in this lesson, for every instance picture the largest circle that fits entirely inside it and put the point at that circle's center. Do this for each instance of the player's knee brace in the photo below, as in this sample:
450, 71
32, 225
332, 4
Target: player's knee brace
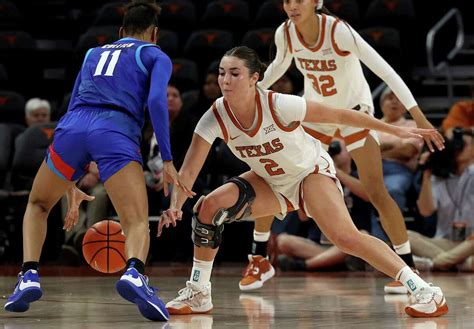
206, 235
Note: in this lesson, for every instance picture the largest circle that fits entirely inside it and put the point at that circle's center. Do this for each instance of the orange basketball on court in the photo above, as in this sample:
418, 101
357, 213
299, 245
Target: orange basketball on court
103, 247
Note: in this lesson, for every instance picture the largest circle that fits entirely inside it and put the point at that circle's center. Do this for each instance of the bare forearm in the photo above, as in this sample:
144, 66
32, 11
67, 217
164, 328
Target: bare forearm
353, 184
178, 197
425, 199
403, 152
362, 120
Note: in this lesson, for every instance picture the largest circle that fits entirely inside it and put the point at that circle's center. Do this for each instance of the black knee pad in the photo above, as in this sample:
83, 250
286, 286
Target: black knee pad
204, 235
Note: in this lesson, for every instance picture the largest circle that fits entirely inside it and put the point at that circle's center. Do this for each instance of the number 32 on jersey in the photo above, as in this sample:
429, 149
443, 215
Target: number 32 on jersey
324, 84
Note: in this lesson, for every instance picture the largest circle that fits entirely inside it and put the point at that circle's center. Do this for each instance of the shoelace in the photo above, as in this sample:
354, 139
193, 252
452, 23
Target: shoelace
20, 277
250, 267
424, 297
185, 293
149, 287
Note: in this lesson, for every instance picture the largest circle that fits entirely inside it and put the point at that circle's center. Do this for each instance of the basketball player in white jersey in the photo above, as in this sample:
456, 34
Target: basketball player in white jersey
289, 170
328, 52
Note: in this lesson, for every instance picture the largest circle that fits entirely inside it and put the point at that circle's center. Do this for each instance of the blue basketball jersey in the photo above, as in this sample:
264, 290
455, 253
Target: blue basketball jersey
114, 76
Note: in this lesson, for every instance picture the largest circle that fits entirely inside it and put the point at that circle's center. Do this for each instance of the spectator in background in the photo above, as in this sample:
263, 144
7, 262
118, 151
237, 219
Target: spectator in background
399, 157
37, 111
461, 114
210, 91
448, 189
182, 124
283, 85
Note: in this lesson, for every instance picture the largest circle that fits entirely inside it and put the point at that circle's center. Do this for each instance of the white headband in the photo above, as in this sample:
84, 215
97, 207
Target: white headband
320, 4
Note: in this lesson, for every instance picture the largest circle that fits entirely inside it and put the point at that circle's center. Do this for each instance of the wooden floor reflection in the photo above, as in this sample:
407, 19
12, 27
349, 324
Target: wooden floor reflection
323, 300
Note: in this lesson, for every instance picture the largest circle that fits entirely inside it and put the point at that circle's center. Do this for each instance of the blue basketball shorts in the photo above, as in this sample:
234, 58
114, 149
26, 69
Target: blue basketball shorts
110, 138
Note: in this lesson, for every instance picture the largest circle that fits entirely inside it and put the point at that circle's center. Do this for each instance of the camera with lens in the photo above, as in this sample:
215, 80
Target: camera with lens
443, 163
334, 148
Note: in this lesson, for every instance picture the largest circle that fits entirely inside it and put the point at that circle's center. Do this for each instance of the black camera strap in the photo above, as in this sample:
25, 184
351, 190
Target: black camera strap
451, 195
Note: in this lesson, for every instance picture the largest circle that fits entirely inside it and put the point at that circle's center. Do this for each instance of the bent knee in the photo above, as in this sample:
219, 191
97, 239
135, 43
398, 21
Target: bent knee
284, 242
40, 204
209, 207
347, 241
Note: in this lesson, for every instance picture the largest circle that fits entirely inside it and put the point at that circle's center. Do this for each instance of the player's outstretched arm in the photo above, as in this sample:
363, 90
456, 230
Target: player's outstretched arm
192, 165
319, 113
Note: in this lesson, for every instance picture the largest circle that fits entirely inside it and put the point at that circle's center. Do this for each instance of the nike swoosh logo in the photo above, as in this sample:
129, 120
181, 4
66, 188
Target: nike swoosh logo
232, 138
136, 281
298, 50
28, 284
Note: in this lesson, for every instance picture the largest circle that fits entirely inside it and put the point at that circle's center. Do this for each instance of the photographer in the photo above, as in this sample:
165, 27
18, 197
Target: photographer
448, 188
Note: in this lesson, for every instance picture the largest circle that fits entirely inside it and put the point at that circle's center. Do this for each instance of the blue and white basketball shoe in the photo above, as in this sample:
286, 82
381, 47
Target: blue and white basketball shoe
133, 287
27, 290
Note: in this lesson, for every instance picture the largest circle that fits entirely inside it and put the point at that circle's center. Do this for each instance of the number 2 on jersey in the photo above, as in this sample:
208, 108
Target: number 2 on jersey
324, 85
103, 59
272, 167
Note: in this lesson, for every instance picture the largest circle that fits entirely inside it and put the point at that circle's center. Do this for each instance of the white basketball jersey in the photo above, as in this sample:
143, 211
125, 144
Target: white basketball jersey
332, 76
279, 154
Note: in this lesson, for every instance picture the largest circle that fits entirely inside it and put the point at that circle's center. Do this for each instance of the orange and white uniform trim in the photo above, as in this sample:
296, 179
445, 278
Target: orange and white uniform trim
276, 147
333, 74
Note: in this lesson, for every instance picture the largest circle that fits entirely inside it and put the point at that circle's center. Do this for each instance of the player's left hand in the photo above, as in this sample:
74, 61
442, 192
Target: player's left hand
74, 199
171, 176
410, 132
430, 139
168, 217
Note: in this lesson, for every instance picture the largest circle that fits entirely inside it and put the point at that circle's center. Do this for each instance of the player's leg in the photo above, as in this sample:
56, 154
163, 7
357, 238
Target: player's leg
259, 268
369, 166
196, 297
325, 204
127, 192
46, 191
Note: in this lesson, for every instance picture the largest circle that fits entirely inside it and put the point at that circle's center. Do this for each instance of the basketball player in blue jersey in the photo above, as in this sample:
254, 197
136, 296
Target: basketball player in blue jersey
103, 124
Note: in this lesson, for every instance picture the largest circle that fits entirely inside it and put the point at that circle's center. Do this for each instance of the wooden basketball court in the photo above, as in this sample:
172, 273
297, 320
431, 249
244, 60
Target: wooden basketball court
79, 298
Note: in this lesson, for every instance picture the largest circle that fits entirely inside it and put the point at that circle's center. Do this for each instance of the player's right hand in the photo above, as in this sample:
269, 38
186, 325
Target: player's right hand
74, 199
171, 176
168, 217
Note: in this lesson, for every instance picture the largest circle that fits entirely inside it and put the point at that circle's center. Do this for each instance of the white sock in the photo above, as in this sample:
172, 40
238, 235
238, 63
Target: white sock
411, 280
261, 236
403, 249
201, 272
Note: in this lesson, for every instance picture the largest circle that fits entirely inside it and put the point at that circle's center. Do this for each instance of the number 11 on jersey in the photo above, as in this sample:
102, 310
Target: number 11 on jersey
103, 59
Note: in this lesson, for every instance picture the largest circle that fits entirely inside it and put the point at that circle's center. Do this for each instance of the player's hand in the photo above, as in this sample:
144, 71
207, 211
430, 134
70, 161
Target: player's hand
430, 139
168, 217
171, 176
410, 132
74, 199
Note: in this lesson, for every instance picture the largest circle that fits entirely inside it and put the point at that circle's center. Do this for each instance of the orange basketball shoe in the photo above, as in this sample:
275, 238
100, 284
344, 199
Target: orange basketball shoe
257, 272
429, 302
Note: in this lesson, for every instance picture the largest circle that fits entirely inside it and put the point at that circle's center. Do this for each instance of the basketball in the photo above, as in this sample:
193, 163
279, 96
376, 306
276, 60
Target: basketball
103, 247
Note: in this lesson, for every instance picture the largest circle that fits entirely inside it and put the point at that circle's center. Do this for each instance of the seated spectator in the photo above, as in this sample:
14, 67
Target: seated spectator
448, 189
209, 93
314, 252
37, 111
284, 85
399, 156
461, 114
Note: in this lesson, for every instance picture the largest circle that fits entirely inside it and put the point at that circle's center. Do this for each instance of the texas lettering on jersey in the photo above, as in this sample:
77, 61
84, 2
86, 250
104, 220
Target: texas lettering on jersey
317, 65
252, 151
